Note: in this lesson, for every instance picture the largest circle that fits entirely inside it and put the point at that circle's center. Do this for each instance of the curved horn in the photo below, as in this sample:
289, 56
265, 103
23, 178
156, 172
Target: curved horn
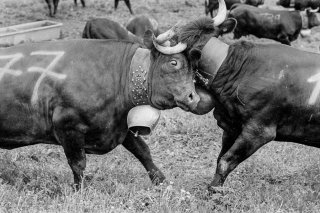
221, 15
168, 34
169, 50
313, 11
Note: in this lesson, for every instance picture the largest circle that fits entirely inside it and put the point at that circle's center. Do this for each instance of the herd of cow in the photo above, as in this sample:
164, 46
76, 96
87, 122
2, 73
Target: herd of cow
78, 93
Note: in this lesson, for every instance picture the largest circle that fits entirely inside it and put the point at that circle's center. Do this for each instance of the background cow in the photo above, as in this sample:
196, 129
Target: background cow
282, 26
214, 4
54, 4
139, 24
127, 2
299, 4
103, 28
78, 93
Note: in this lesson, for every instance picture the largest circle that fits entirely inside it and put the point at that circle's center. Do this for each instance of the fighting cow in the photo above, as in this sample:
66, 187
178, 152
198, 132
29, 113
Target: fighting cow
299, 4
78, 93
54, 4
127, 2
283, 26
103, 28
214, 4
139, 24
261, 92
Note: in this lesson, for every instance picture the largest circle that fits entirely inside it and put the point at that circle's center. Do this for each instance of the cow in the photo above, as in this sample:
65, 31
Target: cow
299, 4
78, 93
54, 4
214, 4
283, 26
127, 2
103, 28
141, 23
261, 92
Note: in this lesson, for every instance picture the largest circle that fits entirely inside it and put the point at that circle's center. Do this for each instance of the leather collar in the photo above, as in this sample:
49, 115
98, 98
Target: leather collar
212, 56
138, 77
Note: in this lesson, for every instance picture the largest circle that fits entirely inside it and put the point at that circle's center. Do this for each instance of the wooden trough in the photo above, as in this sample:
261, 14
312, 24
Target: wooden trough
30, 32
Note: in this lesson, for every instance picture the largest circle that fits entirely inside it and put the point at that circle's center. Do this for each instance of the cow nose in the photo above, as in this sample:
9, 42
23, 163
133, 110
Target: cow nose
193, 100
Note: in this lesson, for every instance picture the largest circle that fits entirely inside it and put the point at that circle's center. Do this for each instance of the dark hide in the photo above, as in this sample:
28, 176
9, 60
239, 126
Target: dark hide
282, 26
127, 2
299, 4
54, 4
214, 4
141, 23
104, 28
261, 92
76, 94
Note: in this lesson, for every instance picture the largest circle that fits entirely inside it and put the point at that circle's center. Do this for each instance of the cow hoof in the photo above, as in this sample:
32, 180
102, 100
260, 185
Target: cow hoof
157, 178
218, 190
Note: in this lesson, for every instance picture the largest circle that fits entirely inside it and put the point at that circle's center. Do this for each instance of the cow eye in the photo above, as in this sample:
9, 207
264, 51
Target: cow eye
173, 62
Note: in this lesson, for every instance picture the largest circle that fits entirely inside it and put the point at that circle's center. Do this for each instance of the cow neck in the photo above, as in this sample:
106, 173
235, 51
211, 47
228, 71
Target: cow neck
212, 56
138, 77
304, 20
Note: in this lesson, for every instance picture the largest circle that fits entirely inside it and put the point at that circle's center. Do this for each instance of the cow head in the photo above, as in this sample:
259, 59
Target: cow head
170, 78
193, 37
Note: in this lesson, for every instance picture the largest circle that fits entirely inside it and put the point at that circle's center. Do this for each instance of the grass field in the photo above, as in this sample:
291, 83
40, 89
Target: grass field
280, 177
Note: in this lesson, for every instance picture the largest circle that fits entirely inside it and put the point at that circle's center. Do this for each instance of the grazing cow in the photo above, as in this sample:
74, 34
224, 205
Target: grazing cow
54, 4
214, 4
299, 4
283, 26
103, 28
77, 94
262, 92
116, 2
139, 24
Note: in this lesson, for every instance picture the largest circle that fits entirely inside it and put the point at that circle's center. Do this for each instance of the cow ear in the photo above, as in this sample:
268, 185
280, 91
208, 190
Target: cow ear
147, 39
194, 55
228, 25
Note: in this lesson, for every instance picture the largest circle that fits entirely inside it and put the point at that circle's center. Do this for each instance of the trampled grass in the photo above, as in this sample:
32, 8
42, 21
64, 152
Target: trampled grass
280, 177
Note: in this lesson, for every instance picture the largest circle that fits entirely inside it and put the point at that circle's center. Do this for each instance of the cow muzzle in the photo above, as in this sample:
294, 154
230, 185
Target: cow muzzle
189, 102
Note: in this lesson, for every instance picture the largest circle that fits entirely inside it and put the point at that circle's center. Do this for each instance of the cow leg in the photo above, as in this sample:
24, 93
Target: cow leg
83, 3
128, 5
138, 147
249, 141
70, 132
49, 7
55, 6
116, 2
76, 3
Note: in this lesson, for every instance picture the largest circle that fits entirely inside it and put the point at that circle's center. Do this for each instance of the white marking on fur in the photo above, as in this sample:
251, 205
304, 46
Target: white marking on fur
46, 71
316, 90
6, 69
281, 74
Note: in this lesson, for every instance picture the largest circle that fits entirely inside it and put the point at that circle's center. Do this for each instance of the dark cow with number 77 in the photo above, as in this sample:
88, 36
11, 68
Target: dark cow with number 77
77, 94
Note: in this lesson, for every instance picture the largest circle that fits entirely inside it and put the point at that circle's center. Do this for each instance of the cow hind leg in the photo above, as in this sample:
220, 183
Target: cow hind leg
83, 3
138, 147
248, 142
55, 6
70, 133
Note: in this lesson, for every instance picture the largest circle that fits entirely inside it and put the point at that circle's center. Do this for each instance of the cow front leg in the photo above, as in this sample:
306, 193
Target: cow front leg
252, 137
70, 133
138, 147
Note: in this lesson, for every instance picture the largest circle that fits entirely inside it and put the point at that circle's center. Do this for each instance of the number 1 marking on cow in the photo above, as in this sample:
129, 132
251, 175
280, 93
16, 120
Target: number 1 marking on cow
316, 90
45, 71
6, 69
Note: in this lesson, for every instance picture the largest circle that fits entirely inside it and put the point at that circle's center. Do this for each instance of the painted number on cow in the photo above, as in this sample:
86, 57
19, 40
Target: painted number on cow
48, 71
316, 90
12, 59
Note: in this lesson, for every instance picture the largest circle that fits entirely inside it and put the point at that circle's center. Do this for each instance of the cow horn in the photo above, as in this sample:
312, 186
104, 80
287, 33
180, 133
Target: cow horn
168, 34
222, 14
313, 11
169, 50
